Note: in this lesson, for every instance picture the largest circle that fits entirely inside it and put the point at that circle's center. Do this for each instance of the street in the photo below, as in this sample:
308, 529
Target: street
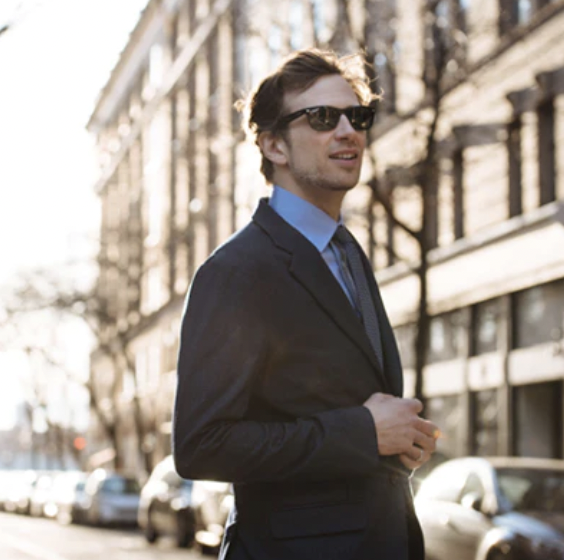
29, 538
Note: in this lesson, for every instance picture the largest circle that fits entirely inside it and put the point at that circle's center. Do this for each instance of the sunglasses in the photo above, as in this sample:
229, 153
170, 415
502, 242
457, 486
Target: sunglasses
324, 117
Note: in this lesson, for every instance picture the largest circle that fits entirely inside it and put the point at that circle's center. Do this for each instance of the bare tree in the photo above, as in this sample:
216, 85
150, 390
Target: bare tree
444, 42
41, 292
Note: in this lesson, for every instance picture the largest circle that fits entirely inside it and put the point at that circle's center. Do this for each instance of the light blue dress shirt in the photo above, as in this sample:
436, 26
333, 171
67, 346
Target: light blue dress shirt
314, 224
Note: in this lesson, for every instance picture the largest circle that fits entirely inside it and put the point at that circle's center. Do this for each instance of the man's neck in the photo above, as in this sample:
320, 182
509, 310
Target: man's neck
330, 203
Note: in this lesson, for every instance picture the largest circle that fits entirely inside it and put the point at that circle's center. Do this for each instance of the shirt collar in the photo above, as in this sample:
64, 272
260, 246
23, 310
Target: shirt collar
314, 224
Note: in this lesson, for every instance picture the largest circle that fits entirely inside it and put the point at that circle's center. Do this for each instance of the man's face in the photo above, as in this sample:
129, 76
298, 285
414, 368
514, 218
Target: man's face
322, 166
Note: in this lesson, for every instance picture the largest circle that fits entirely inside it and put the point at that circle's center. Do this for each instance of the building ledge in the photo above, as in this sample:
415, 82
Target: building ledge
509, 256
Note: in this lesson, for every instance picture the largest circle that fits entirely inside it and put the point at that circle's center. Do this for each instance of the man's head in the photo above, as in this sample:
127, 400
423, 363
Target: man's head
309, 119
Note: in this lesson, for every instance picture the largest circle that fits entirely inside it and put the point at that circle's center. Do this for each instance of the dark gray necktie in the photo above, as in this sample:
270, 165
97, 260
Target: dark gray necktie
360, 292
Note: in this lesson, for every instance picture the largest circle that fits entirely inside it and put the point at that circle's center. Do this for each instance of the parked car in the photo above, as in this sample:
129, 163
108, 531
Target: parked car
111, 498
165, 507
212, 501
8, 479
69, 503
504, 508
190, 511
40, 493
18, 495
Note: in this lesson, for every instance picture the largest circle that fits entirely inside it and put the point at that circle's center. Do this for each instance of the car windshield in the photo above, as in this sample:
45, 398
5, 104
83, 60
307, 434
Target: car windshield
120, 486
532, 489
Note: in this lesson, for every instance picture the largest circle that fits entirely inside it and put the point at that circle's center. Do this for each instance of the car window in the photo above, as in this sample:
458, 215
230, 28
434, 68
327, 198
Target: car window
532, 489
120, 486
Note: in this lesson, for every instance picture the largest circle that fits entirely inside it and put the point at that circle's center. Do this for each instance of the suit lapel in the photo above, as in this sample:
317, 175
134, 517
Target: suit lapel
309, 269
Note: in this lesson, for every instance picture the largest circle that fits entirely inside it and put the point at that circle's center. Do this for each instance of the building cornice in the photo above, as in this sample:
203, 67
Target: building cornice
132, 58
175, 72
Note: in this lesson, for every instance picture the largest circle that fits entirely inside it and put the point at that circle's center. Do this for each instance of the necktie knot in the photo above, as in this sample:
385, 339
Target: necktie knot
342, 235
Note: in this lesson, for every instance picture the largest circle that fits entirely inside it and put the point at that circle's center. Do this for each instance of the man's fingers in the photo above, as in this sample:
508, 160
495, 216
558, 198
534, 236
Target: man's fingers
425, 442
408, 462
428, 428
415, 404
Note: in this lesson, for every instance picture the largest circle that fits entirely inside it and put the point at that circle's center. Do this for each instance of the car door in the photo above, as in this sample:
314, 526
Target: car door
434, 501
464, 521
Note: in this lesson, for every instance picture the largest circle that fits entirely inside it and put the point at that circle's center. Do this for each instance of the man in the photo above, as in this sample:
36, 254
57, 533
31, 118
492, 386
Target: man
289, 382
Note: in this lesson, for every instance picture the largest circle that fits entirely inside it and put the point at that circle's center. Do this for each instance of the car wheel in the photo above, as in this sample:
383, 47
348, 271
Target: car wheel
151, 534
184, 533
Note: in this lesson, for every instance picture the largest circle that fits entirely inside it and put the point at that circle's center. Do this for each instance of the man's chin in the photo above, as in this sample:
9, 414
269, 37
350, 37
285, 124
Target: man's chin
341, 187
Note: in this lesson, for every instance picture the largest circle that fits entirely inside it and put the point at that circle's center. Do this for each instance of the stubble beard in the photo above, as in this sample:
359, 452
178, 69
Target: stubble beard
315, 182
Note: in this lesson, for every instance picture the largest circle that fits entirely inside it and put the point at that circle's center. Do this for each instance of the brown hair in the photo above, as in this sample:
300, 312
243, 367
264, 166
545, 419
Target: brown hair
298, 72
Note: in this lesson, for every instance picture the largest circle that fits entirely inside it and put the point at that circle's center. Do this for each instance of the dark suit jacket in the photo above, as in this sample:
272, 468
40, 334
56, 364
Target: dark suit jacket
273, 369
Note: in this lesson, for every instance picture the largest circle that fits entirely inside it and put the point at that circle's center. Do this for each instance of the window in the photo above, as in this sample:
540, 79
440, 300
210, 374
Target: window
446, 411
524, 11
275, 40
547, 162
514, 152
120, 486
537, 425
296, 19
485, 413
156, 65
486, 324
523, 489
538, 315
508, 15
405, 336
386, 79
386, 52
319, 10
452, 16
458, 192
447, 336
445, 44
518, 12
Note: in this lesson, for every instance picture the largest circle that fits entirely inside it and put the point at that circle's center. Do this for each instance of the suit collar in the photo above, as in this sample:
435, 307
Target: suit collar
309, 268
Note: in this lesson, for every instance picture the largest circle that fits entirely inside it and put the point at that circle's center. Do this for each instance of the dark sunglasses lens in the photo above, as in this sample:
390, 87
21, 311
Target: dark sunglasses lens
327, 118
323, 118
361, 118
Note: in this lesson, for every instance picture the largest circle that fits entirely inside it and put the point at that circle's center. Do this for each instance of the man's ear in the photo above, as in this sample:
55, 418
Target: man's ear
273, 147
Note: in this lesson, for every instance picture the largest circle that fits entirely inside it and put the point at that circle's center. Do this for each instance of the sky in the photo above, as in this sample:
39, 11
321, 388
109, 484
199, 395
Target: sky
55, 58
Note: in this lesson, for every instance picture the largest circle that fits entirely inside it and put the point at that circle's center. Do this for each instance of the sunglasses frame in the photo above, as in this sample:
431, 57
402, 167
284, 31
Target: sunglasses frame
348, 112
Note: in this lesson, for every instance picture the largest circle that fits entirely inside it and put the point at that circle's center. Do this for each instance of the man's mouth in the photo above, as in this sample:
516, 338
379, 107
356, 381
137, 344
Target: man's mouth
346, 157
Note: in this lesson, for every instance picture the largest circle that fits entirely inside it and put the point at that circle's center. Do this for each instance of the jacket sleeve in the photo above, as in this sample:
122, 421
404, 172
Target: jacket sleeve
223, 348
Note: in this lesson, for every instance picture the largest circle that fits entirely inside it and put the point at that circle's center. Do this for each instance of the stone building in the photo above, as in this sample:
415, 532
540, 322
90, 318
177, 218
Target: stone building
495, 367
178, 177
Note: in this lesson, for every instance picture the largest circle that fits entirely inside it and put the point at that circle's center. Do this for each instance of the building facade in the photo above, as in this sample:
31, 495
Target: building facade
178, 177
493, 379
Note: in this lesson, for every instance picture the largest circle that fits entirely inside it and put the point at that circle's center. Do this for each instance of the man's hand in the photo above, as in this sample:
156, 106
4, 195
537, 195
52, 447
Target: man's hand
401, 431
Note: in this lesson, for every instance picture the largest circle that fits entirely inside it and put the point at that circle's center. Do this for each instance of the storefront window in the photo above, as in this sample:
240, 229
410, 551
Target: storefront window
486, 325
538, 315
448, 336
485, 415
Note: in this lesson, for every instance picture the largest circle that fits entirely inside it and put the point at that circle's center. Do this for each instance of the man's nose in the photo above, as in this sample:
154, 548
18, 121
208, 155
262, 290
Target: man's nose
344, 127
